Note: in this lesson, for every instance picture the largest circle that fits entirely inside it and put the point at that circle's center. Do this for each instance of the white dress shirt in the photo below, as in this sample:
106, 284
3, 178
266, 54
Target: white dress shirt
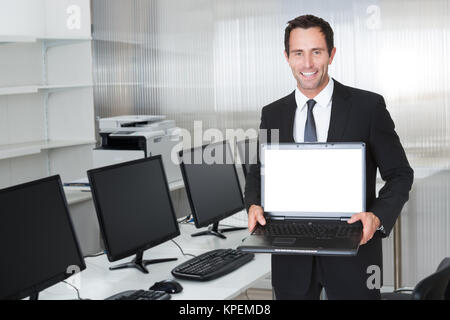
321, 112
322, 116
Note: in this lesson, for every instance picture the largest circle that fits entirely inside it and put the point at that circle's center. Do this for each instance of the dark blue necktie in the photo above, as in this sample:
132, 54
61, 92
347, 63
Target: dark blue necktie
310, 127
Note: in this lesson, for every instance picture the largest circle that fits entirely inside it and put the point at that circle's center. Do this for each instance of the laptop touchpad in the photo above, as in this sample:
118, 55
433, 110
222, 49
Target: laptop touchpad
283, 241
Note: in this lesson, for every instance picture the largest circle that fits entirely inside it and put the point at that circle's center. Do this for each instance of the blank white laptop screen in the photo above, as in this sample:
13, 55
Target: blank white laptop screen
324, 180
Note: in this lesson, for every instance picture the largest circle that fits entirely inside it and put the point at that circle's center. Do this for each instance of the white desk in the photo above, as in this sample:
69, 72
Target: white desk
98, 282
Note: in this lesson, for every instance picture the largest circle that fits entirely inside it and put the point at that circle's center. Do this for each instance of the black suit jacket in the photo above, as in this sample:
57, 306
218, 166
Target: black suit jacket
356, 116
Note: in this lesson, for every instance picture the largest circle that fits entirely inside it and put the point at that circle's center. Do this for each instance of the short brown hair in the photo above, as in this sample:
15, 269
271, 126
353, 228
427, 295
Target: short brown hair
306, 22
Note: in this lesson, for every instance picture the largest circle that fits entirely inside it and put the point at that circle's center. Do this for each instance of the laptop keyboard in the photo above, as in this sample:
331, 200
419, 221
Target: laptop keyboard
305, 229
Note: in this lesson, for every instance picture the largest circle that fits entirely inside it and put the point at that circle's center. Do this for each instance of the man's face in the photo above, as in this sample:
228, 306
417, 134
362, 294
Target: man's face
309, 60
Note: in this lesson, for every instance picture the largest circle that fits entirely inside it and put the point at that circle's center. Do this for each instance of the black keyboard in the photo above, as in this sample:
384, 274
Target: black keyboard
140, 295
212, 264
315, 230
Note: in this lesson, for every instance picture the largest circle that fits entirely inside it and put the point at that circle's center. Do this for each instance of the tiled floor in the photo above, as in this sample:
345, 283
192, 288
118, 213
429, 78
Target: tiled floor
266, 294
255, 294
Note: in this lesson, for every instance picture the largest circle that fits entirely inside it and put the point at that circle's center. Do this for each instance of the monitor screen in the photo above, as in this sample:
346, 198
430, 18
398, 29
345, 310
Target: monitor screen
211, 183
38, 244
133, 206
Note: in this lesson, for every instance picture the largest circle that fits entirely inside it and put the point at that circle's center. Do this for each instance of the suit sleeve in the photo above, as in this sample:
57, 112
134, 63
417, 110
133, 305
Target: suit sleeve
253, 179
394, 168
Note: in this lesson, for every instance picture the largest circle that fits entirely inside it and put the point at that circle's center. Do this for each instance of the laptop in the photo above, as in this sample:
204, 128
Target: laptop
308, 192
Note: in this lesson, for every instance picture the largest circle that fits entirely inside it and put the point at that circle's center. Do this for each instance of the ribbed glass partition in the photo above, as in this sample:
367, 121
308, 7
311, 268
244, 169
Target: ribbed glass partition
221, 61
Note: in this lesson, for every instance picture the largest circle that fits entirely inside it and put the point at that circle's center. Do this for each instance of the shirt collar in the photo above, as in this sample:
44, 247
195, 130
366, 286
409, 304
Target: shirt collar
322, 99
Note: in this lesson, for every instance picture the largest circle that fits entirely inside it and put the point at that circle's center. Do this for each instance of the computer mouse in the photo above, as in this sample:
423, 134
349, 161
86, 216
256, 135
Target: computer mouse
168, 286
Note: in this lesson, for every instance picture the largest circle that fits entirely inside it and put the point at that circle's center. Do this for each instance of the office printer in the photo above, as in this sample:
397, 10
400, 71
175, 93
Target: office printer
127, 138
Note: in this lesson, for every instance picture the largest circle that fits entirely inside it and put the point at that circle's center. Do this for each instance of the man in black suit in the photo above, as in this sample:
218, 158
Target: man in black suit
319, 110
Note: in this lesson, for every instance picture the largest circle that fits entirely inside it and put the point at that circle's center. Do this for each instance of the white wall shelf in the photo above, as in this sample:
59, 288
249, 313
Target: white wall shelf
9, 151
50, 88
18, 150
4, 39
48, 41
46, 94
6, 91
53, 42
54, 144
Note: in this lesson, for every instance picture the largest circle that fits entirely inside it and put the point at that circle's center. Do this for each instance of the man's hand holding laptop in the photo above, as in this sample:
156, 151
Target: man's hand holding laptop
255, 215
369, 221
370, 224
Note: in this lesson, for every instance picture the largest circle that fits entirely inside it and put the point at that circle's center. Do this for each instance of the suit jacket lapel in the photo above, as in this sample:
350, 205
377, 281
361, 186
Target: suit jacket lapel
289, 117
340, 109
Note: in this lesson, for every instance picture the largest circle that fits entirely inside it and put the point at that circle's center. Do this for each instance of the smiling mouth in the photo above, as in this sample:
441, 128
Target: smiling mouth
309, 75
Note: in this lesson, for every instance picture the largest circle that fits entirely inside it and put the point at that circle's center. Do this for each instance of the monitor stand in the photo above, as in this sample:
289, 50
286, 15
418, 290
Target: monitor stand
34, 296
139, 263
214, 231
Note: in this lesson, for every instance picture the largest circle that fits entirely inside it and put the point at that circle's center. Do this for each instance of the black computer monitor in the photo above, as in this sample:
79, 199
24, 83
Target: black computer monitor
248, 150
38, 245
212, 186
134, 209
